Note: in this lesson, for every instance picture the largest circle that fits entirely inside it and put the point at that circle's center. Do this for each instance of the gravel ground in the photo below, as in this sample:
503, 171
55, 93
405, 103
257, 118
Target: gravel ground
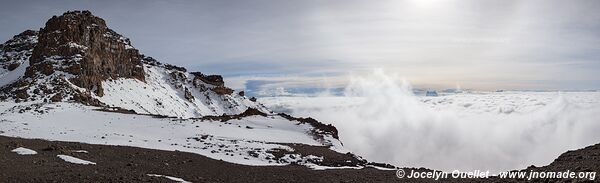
131, 164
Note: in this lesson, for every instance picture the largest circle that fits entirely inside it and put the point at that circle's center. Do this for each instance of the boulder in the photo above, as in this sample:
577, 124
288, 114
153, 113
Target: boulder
56, 98
221, 90
13, 66
22, 94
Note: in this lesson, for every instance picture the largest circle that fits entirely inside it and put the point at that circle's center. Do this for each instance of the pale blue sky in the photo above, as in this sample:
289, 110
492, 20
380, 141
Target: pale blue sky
309, 43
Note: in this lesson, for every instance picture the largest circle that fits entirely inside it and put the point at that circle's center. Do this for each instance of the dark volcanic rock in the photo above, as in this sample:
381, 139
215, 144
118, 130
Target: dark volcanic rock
173, 67
19, 42
216, 80
86, 98
56, 98
131, 164
22, 94
221, 90
188, 95
17, 50
81, 44
320, 128
246, 113
13, 66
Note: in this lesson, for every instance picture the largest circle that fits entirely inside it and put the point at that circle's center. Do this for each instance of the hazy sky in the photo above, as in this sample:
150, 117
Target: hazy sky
438, 44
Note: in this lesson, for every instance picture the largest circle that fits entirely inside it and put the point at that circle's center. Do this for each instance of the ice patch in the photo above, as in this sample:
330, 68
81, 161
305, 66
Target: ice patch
24, 151
74, 160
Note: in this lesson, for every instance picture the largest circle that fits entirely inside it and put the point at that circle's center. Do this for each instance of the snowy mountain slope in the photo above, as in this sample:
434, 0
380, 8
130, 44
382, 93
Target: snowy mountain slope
14, 56
8, 77
243, 141
164, 93
77, 80
96, 66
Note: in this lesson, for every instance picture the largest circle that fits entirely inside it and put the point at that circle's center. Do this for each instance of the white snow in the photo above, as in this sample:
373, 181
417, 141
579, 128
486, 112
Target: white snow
319, 167
20, 57
24, 151
230, 141
380, 168
8, 77
165, 92
74, 160
169, 177
162, 95
75, 45
244, 141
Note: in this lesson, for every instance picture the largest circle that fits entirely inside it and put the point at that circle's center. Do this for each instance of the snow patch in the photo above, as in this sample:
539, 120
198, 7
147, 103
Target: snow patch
74, 160
319, 167
24, 151
169, 177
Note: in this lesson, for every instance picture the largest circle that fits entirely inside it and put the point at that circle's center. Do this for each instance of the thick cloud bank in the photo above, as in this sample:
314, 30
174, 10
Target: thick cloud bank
381, 119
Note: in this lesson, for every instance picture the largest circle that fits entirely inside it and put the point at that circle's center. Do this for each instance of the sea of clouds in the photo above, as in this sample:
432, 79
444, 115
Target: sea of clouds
380, 118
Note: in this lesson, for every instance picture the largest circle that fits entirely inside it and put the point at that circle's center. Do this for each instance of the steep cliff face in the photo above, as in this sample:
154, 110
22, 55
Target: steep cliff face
81, 44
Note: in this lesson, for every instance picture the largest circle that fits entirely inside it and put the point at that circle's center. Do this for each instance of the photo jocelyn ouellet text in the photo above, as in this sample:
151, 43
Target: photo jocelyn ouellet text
477, 174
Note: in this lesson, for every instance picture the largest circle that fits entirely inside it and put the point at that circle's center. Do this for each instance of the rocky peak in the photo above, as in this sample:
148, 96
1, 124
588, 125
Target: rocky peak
17, 50
80, 44
76, 57
21, 42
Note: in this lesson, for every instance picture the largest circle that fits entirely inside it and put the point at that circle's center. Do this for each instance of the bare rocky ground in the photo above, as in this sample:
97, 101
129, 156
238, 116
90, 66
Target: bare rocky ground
131, 164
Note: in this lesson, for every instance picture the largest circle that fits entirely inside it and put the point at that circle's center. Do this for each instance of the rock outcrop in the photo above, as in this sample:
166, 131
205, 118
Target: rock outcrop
216, 80
81, 44
17, 50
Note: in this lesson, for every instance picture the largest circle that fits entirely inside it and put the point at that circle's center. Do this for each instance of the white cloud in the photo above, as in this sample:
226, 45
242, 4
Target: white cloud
379, 118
